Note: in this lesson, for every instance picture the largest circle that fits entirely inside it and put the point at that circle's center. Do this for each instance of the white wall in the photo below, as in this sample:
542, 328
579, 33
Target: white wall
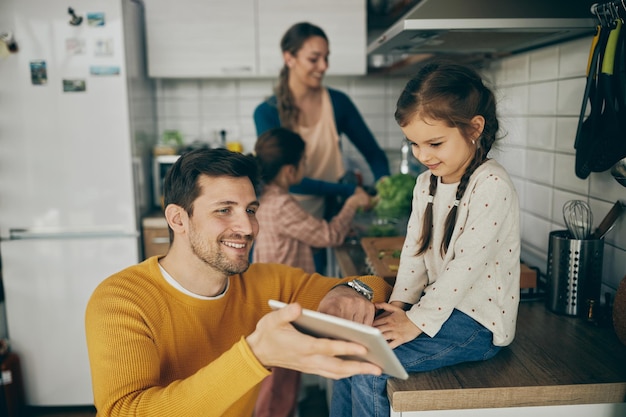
540, 96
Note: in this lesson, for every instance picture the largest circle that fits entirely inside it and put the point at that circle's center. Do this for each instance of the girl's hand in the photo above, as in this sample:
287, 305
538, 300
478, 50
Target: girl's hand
395, 325
360, 199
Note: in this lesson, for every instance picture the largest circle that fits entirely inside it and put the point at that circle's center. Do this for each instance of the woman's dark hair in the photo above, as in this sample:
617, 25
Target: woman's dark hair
180, 185
453, 94
292, 42
276, 148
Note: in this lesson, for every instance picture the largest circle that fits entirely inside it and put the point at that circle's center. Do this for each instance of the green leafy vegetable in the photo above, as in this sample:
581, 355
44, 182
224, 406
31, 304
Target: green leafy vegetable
395, 194
381, 230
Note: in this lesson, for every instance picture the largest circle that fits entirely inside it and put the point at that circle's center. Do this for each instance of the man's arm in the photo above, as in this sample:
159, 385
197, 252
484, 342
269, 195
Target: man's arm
342, 301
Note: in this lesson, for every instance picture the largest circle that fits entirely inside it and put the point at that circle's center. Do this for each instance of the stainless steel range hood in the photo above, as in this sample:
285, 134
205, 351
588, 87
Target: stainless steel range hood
483, 27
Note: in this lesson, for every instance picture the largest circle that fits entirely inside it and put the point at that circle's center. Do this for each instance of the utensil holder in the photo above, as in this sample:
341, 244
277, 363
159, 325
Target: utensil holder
574, 273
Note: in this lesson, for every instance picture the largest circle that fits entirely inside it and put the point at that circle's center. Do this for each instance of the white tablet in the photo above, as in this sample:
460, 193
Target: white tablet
319, 324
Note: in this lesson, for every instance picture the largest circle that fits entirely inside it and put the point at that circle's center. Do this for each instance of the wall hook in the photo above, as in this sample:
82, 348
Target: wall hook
75, 20
8, 39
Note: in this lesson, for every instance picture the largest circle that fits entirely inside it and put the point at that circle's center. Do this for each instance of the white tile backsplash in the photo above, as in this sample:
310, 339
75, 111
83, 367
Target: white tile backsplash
514, 70
544, 64
573, 58
570, 96
605, 187
370, 105
513, 160
513, 129
256, 88
171, 88
366, 87
566, 134
224, 89
536, 232
542, 98
216, 110
539, 96
539, 166
538, 200
180, 109
514, 100
541, 132
565, 175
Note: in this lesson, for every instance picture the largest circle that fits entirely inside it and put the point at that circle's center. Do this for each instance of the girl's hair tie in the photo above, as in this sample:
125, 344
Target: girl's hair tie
430, 199
456, 203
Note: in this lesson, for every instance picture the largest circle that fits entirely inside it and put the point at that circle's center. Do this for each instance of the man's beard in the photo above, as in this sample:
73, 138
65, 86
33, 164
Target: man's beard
216, 259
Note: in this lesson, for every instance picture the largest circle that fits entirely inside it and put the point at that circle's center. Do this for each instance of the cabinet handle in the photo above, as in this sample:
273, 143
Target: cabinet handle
237, 70
161, 240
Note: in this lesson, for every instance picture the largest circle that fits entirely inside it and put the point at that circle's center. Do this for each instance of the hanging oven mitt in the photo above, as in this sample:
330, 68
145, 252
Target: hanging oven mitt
609, 141
586, 127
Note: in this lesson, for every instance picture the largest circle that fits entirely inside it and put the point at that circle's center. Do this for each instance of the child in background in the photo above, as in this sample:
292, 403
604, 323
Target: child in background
456, 294
287, 233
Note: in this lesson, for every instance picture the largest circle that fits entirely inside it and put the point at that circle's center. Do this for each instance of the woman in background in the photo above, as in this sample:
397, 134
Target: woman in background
286, 234
320, 115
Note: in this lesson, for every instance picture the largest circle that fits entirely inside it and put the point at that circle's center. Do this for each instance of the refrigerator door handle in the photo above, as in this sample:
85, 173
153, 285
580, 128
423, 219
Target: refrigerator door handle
62, 233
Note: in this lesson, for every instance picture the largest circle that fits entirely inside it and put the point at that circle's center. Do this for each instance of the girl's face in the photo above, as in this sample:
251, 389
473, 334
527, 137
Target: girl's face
310, 63
442, 149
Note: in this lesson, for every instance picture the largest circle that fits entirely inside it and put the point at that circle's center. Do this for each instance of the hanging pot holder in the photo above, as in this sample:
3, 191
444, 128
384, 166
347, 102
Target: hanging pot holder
592, 96
608, 143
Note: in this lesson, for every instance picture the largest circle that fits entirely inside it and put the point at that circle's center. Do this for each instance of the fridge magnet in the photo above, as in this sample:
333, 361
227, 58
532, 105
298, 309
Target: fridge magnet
103, 47
104, 70
95, 19
38, 73
75, 46
74, 86
75, 20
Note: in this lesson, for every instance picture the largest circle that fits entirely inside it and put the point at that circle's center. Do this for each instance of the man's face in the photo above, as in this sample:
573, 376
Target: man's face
224, 225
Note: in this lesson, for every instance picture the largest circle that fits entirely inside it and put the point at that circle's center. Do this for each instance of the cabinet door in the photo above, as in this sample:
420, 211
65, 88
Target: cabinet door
344, 23
198, 39
155, 241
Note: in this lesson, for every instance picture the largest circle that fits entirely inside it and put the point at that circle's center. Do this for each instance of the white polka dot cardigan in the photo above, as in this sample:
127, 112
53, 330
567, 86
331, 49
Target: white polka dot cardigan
479, 275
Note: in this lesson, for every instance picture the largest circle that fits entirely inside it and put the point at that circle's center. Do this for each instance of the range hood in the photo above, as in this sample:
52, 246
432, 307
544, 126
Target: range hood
491, 28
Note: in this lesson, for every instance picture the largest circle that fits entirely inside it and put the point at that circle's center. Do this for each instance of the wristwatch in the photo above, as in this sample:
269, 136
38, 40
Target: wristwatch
362, 288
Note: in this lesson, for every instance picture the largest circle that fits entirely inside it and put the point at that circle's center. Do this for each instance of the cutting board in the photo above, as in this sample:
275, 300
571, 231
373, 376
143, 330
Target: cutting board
382, 255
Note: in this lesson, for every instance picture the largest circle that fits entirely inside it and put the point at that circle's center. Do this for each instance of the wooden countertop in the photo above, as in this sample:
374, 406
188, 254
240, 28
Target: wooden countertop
554, 360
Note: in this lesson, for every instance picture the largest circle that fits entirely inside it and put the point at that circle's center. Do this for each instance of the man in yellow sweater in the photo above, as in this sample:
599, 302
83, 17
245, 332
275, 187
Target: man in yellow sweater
191, 334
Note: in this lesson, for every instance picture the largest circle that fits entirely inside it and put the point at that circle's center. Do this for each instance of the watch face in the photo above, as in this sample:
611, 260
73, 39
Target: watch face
362, 288
363, 285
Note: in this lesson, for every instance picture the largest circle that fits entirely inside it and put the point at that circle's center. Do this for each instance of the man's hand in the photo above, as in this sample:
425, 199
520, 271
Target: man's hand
344, 302
275, 342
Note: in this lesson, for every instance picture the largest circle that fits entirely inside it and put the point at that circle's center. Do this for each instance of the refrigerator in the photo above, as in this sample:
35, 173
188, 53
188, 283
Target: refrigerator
77, 125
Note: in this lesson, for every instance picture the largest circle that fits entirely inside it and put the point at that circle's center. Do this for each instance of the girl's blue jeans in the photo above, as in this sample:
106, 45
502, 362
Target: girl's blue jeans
460, 339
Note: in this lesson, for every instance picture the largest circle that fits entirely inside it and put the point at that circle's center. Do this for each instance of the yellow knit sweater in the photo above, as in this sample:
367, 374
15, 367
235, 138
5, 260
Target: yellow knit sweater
155, 351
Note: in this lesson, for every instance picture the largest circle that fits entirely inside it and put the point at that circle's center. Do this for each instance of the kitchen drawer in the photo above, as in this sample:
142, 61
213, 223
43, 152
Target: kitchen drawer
156, 238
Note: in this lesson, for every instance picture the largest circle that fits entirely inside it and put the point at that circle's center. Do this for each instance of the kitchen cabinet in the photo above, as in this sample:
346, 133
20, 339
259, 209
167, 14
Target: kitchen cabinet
241, 38
156, 238
208, 38
343, 22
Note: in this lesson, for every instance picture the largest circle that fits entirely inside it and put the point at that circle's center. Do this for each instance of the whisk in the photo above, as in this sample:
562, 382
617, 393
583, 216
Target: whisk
578, 219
